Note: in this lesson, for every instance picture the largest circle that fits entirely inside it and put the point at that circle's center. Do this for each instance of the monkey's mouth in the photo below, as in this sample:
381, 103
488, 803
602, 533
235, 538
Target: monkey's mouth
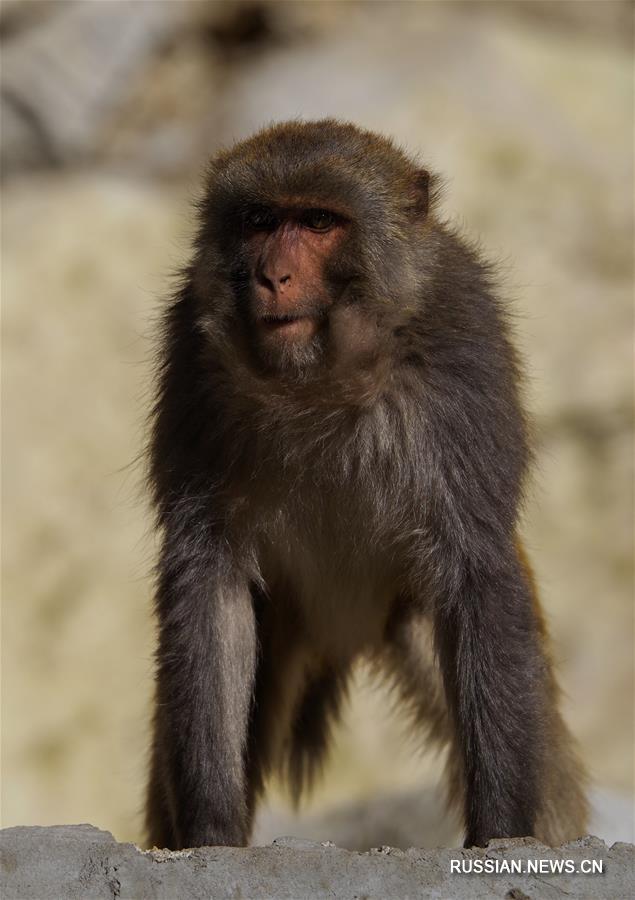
289, 327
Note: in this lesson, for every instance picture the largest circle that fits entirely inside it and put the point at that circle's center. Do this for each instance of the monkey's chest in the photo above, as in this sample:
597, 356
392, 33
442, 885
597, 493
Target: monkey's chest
331, 565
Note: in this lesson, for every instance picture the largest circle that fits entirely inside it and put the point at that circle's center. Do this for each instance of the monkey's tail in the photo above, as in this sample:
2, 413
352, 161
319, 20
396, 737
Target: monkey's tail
317, 712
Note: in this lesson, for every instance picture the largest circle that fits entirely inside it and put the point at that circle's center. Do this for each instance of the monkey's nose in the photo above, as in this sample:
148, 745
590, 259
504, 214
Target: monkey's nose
271, 281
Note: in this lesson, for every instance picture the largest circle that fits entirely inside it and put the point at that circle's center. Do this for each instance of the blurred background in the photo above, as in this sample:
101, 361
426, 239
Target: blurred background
109, 111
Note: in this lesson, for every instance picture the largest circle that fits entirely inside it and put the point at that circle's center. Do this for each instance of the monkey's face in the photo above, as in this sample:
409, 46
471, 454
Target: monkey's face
289, 254
308, 248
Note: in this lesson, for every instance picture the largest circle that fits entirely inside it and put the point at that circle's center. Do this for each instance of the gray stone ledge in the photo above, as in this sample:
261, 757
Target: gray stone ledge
65, 862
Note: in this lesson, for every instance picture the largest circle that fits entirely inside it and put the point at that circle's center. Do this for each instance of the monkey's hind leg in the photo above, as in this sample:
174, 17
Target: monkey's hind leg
409, 661
315, 715
296, 704
297, 699
564, 810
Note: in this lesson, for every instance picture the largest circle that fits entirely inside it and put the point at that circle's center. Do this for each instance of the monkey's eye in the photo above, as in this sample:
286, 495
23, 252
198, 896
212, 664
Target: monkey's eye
318, 219
261, 219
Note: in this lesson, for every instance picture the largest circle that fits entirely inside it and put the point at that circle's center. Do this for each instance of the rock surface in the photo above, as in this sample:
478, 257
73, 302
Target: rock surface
81, 861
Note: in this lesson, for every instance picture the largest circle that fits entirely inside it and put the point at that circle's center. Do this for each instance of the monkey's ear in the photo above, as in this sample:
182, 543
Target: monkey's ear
420, 194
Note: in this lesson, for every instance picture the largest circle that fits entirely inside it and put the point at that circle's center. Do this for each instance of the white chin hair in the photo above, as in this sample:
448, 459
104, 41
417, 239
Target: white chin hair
293, 356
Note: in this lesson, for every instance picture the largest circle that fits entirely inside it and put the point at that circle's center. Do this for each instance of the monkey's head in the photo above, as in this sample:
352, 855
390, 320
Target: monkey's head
309, 252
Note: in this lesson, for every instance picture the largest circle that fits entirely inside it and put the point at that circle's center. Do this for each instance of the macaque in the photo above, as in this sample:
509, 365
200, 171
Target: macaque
337, 462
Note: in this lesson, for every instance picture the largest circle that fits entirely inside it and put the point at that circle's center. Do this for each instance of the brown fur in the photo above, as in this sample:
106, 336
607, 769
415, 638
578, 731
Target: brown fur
339, 487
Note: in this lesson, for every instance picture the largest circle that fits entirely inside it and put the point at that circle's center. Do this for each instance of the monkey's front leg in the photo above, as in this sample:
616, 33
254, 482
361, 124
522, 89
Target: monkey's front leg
205, 674
494, 674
